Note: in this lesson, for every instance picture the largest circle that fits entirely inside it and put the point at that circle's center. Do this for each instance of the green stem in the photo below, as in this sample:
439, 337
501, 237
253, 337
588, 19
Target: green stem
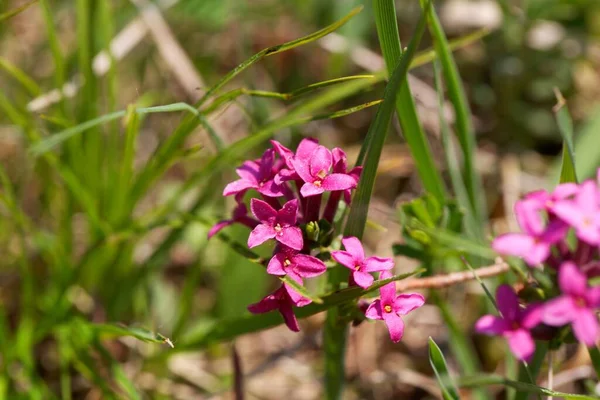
595, 356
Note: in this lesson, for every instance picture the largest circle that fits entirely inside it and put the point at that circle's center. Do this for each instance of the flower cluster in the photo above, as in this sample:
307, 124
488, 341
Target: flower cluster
292, 187
571, 260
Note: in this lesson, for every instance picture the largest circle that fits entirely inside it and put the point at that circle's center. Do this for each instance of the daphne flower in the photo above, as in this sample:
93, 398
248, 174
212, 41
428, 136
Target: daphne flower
583, 213
545, 200
340, 166
354, 259
257, 175
577, 304
390, 307
240, 215
515, 324
315, 173
303, 154
278, 225
536, 240
279, 300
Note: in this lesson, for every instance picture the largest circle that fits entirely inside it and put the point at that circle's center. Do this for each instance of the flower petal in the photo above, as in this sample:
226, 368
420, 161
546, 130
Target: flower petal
374, 310
559, 311
306, 148
514, 244
538, 253
565, 190
571, 280
266, 164
291, 236
387, 293
272, 189
395, 326
354, 246
585, 326
587, 197
218, 226
407, 302
308, 266
302, 169
276, 266
267, 304
320, 162
309, 189
249, 171
508, 302
363, 279
263, 211
239, 186
260, 234
521, 343
593, 297
528, 217
285, 153
339, 160
288, 213
491, 325
338, 182
344, 258
295, 297
376, 264
532, 315
285, 308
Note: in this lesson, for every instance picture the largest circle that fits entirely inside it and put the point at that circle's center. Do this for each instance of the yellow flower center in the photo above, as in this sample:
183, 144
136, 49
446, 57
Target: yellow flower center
322, 174
387, 309
287, 262
278, 229
357, 267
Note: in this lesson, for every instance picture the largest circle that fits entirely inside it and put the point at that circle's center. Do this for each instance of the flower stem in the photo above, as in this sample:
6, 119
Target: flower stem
313, 206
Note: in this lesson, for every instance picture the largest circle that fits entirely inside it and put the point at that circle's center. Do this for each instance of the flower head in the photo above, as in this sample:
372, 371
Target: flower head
576, 305
257, 175
389, 307
303, 154
354, 259
281, 301
515, 323
583, 212
278, 225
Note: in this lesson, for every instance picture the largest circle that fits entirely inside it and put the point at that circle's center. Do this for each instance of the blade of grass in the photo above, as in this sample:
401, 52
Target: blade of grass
565, 126
389, 39
335, 331
16, 11
438, 363
20, 76
595, 357
464, 126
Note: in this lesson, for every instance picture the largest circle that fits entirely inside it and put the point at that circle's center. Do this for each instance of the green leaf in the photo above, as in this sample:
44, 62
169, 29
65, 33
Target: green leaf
438, 363
20, 76
16, 11
487, 380
565, 125
595, 357
301, 289
117, 330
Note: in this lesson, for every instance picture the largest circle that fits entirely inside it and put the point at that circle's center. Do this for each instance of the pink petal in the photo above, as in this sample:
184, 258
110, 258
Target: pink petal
521, 343
320, 162
589, 233
267, 304
354, 246
306, 148
407, 302
569, 212
587, 197
565, 190
344, 258
302, 169
285, 175
288, 213
295, 297
291, 236
266, 164
275, 266
363, 279
308, 266
538, 253
555, 232
585, 327
240, 211
491, 325
387, 293
571, 280
593, 297
249, 171
374, 311
338, 182
528, 217
288, 316
376, 264
238, 186
395, 326
508, 302
260, 234
263, 211
308, 189
514, 244
532, 315
271, 189
283, 152
339, 160
559, 311
218, 226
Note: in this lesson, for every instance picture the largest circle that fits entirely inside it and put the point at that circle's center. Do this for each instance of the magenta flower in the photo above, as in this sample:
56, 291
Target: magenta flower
583, 213
545, 200
297, 266
257, 175
536, 240
303, 154
315, 173
390, 307
354, 259
515, 324
340, 166
278, 225
577, 304
240, 215
279, 300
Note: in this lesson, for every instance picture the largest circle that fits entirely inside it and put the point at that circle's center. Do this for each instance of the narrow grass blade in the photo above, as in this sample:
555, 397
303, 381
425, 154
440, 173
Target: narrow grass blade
488, 380
438, 363
389, 39
595, 357
464, 126
20, 76
116, 330
565, 125
17, 10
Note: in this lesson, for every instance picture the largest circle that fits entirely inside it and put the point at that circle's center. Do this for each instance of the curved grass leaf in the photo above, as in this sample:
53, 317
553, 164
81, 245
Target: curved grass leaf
438, 363
142, 334
16, 11
20, 76
565, 126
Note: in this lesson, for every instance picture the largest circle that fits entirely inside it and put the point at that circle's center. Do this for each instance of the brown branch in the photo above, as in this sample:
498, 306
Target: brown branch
442, 281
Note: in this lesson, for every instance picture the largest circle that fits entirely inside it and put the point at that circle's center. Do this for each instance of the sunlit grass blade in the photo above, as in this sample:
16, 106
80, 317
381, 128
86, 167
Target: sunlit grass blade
20, 76
464, 126
278, 49
118, 330
565, 126
438, 363
16, 11
488, 380
389, 39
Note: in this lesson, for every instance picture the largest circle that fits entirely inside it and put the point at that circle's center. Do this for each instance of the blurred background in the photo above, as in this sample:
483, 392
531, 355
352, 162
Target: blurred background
169, 51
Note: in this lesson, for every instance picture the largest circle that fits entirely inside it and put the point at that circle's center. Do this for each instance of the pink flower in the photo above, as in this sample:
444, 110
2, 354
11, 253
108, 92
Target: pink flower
390, 307
279, 300
577, 304
303, 154
315, 173
536, 240
257, 175
545, 200
583, 213
354, 259
340, 166
278, 225
240, 215
515, 324
289, 262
